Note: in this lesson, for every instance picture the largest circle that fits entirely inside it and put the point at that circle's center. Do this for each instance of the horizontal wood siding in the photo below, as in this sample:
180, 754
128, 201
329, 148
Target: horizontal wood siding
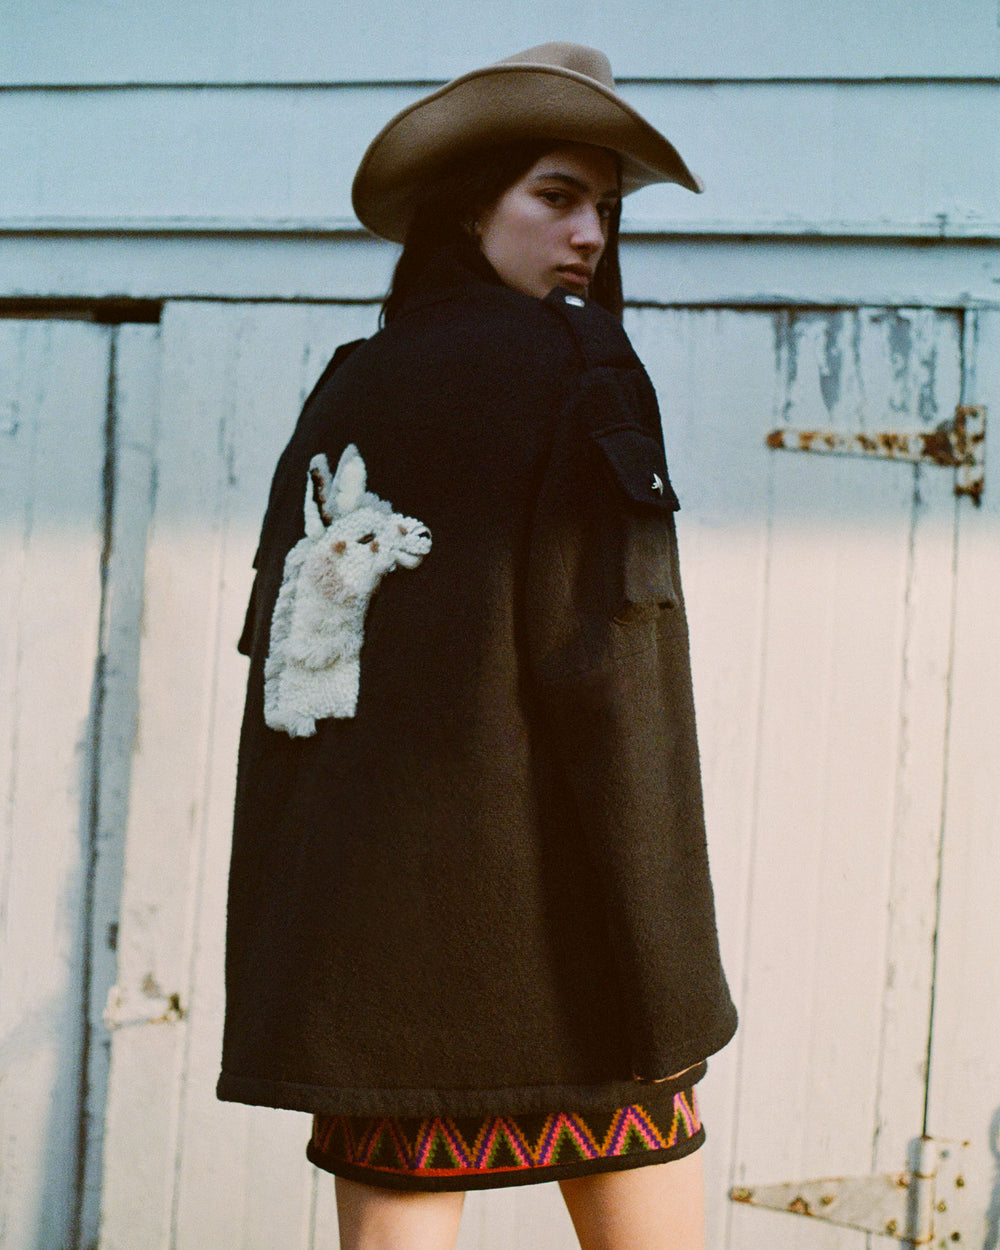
208, 150
656, 270
45, 41
899, 159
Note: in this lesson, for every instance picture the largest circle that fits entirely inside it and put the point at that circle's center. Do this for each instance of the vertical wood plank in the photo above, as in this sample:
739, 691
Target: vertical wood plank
183, 1170
920, 777
964, 1090
714, 416
52, 419
132, 409
821, 1076
279, 354
160, 871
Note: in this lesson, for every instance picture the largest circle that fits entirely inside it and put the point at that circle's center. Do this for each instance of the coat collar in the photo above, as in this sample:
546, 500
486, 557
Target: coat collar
457, 269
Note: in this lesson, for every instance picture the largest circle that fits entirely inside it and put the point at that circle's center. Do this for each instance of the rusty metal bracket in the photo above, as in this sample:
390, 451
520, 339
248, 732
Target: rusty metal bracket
919, 1207
958, 443
125, 1010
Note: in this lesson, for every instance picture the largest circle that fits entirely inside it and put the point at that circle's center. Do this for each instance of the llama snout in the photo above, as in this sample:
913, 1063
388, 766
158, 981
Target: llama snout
414, 544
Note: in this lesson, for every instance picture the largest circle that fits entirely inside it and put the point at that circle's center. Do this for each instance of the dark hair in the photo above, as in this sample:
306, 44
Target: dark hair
460, 193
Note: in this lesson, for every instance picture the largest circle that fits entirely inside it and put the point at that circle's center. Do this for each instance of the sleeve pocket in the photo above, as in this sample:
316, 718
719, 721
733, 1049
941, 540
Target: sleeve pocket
639, 465
647, 503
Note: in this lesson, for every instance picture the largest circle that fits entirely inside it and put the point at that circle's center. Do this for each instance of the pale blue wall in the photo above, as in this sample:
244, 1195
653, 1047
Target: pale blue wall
208, 148
205, 150
77, 41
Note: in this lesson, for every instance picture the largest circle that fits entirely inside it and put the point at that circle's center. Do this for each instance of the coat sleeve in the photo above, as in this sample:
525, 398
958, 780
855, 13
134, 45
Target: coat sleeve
288, 475
611, 673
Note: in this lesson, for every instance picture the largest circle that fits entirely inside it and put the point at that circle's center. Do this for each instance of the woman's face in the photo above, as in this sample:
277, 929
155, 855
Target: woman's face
550, 228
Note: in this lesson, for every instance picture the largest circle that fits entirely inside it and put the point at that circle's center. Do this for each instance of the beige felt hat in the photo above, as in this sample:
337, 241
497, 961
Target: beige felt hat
561, 91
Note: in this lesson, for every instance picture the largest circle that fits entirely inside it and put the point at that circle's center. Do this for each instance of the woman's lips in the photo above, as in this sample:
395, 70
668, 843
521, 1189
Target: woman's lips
571, 275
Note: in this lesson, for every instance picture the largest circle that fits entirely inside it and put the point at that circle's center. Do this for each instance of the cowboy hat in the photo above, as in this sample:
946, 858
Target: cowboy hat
561, 91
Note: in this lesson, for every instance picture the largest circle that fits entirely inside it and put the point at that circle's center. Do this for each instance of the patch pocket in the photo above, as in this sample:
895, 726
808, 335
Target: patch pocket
645, 522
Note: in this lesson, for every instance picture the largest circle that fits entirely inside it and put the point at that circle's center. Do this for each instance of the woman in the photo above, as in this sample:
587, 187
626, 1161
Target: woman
471, 925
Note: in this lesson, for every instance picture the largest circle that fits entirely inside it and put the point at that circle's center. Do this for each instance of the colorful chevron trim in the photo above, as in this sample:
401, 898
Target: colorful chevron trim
446, 1146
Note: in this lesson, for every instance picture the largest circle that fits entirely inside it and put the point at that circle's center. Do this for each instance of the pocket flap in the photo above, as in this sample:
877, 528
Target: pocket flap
639, 465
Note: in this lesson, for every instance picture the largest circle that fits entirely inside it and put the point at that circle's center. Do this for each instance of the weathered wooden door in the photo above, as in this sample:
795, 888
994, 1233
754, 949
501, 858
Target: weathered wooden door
848, 692
843, 618
70, 586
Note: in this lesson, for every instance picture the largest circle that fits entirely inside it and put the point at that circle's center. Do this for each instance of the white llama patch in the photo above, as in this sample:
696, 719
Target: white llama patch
353, 538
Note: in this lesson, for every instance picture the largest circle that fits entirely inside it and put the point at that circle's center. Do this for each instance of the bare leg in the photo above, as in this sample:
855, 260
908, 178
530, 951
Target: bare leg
371, 1218
657, 1207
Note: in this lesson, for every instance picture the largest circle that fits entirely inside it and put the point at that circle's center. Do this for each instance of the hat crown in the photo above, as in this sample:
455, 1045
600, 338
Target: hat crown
574, 57
559, 92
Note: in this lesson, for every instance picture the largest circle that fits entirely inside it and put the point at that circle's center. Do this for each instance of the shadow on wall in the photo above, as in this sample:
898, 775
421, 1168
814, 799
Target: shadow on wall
992, 1241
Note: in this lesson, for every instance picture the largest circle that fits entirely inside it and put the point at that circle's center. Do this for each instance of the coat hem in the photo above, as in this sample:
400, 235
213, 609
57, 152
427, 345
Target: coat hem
322, 1100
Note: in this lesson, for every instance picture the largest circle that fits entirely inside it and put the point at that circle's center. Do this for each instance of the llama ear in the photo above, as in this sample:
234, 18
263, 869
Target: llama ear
348, 482
319, 493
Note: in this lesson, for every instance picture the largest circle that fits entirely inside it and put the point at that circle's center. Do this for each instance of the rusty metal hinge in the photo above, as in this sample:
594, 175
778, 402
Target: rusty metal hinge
919, 1207
151, 1005
958, 443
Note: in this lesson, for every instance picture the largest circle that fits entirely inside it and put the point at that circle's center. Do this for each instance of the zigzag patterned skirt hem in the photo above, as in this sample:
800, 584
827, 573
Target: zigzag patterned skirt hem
487, 1152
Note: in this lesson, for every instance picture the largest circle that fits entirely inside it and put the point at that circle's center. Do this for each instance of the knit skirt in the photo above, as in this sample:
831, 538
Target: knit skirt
436, 1153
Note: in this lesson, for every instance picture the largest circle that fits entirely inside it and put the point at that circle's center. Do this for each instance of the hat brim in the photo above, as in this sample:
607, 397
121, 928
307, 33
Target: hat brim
504, 102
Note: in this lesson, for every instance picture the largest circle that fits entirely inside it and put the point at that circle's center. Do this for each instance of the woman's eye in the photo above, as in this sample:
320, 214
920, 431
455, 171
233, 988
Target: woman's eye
366, 538
555, 198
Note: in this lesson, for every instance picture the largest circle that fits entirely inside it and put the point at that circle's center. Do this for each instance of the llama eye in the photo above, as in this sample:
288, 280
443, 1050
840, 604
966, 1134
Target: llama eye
366, 538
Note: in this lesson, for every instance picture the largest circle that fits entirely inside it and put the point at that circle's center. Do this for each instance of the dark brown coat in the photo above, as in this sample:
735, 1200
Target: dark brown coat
487, 891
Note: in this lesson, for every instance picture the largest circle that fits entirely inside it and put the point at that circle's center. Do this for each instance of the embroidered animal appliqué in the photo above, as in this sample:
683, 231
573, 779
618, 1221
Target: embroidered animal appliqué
353, 538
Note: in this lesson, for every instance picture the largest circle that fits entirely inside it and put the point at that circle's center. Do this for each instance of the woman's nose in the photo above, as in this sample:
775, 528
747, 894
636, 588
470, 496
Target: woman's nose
588, 229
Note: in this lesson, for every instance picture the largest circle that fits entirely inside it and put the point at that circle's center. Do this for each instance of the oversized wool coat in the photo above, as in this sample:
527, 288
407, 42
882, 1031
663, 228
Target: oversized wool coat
486, 891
